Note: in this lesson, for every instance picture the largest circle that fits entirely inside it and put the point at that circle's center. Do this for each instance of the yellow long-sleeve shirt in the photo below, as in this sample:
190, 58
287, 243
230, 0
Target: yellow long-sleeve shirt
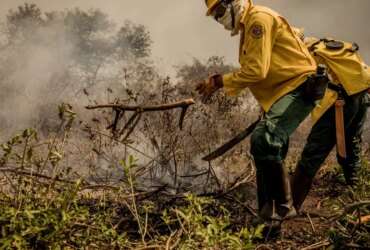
274, 61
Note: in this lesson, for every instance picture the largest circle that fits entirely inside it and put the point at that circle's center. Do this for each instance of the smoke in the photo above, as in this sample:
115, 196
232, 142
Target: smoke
34, 74
181, 31
54, 57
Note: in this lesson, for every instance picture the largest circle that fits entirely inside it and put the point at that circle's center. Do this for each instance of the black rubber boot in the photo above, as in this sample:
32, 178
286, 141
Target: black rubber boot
262, 190
278, 203
275, 201
282, 201
283, 195
271, 230
350, 169
301, 185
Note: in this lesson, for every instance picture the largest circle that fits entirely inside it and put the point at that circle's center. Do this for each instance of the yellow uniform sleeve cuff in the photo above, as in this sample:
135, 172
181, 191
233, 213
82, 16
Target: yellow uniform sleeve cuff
229, 88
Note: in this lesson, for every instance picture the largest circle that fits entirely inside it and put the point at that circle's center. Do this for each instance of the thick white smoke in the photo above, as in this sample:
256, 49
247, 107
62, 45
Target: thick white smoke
34, 77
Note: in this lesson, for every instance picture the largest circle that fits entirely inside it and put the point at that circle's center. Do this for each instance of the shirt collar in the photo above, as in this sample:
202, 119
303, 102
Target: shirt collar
246, 12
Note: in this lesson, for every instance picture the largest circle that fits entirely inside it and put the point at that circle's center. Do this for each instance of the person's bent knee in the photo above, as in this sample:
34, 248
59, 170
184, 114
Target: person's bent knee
266, 145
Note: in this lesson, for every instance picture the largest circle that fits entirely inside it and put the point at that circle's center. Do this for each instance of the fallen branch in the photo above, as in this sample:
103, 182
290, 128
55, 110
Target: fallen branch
181, 104
120, 108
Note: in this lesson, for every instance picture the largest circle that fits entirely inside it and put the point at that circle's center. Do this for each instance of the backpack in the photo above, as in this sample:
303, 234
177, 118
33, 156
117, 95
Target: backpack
345, 65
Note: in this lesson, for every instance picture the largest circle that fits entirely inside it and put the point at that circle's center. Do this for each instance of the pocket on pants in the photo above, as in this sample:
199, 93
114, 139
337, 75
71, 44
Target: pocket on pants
278, 140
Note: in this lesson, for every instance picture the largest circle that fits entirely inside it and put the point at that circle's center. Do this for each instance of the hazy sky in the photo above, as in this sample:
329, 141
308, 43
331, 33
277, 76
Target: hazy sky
180, 29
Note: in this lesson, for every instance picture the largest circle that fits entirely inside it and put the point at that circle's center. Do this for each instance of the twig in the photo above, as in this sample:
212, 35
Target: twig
32, 174
24, 152
356, 205
127, 145
168, 243
237, 183
357, 225
349, 208
316, 214
182, 117
317, 245
246, 206
312, 225
212, 172
118, 115
134, 120
194, 175
264, 246
13, 186
180, 222
134, 209
354, 245
179, 235
175, 165
150, 247
51, 145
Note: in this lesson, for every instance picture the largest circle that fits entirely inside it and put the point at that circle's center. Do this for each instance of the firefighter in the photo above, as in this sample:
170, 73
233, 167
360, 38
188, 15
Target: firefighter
340, 116
275, 66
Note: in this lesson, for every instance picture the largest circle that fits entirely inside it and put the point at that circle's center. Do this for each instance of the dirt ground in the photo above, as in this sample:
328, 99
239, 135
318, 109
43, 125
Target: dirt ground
310, 229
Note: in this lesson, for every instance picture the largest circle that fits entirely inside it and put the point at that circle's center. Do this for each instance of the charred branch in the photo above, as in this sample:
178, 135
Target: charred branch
163, 107
130, 125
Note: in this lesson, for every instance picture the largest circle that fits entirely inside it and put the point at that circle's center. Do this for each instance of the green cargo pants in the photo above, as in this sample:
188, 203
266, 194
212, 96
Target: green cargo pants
322, 139
269, 147
270, 139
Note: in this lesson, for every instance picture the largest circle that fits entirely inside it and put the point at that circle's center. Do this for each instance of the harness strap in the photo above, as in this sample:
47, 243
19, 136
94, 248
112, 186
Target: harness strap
339, 89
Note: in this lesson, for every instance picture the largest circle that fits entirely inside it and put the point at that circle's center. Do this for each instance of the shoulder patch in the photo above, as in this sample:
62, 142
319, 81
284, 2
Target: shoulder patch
256, 31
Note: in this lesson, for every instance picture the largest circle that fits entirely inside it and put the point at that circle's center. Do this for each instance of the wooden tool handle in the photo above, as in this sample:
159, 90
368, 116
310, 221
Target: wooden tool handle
340, 130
